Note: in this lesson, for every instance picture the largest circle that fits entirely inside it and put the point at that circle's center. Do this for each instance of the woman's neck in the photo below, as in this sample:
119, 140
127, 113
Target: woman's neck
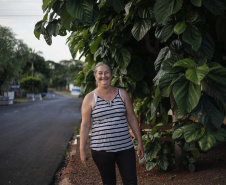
107, 90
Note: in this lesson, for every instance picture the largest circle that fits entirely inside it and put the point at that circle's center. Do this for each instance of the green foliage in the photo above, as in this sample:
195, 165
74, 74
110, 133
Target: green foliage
183, 41
157, 153
194, 138
64, 72
165, 8
31, 84
77, 131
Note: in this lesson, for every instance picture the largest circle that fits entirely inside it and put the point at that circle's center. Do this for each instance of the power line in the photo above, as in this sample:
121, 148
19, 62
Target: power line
18, 15
8, 9
8, 1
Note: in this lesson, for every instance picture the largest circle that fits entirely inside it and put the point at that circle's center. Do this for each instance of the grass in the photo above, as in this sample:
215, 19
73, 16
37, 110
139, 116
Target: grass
67, 152
63, 93
77, 131
20, 100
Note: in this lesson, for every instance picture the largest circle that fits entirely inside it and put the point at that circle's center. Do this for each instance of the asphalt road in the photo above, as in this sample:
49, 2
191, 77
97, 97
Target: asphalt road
34, 138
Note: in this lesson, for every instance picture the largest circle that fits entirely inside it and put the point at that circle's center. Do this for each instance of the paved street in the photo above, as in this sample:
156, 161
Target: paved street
34, 138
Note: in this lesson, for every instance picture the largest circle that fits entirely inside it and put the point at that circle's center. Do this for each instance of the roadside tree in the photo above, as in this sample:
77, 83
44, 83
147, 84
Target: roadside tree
31, 85
13, 54
64, 72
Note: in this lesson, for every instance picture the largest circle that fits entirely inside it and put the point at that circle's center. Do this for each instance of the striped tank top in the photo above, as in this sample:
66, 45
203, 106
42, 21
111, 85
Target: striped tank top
110, 131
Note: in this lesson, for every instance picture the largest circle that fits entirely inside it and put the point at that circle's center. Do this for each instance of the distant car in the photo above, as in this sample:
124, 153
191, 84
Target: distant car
76, 92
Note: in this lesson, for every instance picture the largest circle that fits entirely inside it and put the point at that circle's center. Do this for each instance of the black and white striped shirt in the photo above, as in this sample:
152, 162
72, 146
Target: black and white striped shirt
110, 131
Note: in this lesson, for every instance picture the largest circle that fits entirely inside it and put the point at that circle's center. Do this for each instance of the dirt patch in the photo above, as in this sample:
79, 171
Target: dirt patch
211, 170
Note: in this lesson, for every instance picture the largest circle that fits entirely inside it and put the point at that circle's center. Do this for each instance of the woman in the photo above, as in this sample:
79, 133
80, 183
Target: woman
111, 109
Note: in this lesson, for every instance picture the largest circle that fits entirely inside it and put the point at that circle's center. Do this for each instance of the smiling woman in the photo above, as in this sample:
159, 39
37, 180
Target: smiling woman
110, 109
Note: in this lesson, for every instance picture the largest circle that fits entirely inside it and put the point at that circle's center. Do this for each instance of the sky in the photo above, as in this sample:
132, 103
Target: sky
21, 16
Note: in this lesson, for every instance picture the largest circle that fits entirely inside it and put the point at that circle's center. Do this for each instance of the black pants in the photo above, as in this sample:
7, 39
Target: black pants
125, 160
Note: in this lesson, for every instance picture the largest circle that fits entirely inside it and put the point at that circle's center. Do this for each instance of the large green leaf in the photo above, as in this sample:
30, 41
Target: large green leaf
206, 49
193, 132
117, 4
167, 66
102, 29
217, 7
196, 75
123, 57
39, 26
48, 38
158, 76
193, 37
178, 133
165, 8
167, 31
219, 91
208, 114
186, 94
180, 27
197, 3
80, 9
163, 162
76, 48
220, 135
207, 142
54, 27
163, 55
187, 62
37, 34
45, 3
144, 12
165, 82
94, 44
154, 149
140, 28
217, 72
157, 98
66, 18
150, 165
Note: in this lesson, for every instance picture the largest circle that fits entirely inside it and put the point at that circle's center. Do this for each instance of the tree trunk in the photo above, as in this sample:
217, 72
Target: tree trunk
177, 150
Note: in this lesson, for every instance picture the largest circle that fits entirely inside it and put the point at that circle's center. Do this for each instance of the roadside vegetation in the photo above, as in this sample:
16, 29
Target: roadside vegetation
21, 65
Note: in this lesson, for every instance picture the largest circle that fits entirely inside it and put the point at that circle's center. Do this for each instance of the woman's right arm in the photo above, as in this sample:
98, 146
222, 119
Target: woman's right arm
85, 126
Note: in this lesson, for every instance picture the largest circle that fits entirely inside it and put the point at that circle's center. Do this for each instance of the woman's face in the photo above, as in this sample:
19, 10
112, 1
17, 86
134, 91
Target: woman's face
103, 75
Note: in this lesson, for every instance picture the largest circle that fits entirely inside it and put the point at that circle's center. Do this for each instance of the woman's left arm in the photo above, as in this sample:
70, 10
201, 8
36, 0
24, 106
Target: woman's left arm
132, 120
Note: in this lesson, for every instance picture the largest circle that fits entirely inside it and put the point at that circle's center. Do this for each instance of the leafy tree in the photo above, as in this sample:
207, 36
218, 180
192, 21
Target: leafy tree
64, 72
13, 54
31, 84
36, 65
172, 50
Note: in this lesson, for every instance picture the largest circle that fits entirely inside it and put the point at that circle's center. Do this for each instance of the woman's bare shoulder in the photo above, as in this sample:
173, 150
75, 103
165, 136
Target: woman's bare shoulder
88, 100
88, 97
124, 93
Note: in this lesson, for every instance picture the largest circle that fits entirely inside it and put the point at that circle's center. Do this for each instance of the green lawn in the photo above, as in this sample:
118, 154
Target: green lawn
20, 100
63, 93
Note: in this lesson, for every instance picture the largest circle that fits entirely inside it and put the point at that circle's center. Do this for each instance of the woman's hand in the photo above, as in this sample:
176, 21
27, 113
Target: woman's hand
140, 151
84, 158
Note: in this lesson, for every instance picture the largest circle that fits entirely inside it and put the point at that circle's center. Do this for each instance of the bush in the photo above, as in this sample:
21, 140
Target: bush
31, 84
